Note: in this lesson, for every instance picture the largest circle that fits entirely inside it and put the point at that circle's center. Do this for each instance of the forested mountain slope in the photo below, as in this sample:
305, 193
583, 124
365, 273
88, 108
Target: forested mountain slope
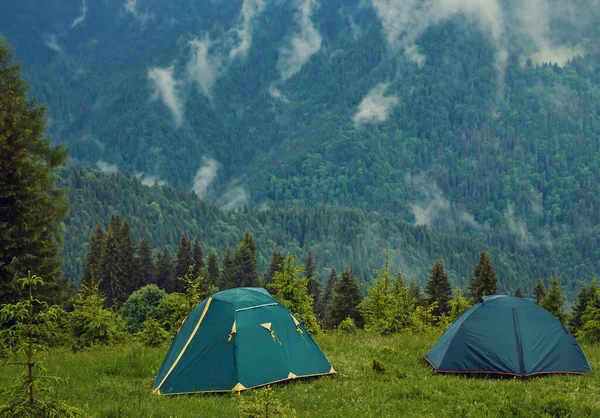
478, 118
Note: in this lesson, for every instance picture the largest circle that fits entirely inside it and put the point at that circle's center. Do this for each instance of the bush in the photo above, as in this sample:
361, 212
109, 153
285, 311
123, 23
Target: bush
141, 305
152, 334
261, 403
171, 311
347, 326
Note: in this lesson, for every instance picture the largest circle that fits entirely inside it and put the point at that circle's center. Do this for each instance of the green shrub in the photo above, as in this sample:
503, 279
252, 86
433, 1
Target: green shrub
152, 334
260, 403
141, 305
171, 311
347, 326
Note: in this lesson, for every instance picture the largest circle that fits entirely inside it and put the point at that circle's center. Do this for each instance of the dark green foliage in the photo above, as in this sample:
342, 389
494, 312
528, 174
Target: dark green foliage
31, 206
195, 288
93, 265
590, 330
554, 300
126, 254
244, 263
438, 289
113, 272
324, 298
314, 287
140, 306
152, 334
185, 259
274, 266
345, 300
378, 366
165, 275
171, 311
414, 290
484, 283
585, 295
212, 270
144, 265
198, 256
228, 271
518, 293
540, 291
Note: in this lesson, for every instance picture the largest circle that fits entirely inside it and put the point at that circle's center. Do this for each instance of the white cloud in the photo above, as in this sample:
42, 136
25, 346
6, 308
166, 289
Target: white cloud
203, 68
81, 18
150, 180
52, 43
166, 87
250, 9
376, 106
205, 175
131, 6
106, 168
235, 198
302, 45
559, 55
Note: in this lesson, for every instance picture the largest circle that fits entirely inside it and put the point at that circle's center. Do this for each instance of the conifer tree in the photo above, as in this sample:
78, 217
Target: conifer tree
540, 291
184, 259
518, 292
554, 300
126, 256
414, 290
111, 285
291, 289
198, 256
274, 266
92, 269
325, 298
438, 289
584, 296
228, 271
144, 265
345, 300
31, 206
590, 329
484, 283
313, 283
165, 271
214, 274
244, 261
373, 307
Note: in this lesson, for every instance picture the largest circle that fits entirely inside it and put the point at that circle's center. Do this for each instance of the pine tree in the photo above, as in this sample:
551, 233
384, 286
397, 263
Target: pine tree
313, 283
144, 265
274, 266
126, 260
165, 271
373, 307
438, 289
93, 264
111, 285
291, 289
244, 261
214, 275
227, 272
325, 298
185, 259
484, 283
198, 256
345, 300
31, 206
584, 296
540, 291
554, 300
518, 292
414, 290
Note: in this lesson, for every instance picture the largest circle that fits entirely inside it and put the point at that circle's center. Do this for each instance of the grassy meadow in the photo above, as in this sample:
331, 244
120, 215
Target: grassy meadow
117, 381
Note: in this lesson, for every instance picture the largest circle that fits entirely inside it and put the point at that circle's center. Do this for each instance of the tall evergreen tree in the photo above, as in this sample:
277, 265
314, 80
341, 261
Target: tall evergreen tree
584, 296
414, 290
325, 297
144, 264
126, 257
540, 291
165, 271
111, 285
438, 289
484, 283
93, 264
185, 259
345, 300
228, 271
213, 272
554, 300
198, 256
274, 266
518, 292
244, 260
31, 206
313, 284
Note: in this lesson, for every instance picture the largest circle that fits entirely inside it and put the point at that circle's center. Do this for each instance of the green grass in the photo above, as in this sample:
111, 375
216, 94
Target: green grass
117, 381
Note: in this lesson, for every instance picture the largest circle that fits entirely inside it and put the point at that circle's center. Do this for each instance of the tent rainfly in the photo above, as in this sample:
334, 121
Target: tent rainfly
507, 335
238, 339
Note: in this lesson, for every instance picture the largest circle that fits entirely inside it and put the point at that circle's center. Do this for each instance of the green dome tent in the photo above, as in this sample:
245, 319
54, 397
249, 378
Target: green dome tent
507, 335
238, 339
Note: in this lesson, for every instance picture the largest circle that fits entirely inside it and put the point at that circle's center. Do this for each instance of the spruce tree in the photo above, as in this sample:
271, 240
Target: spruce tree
144, 265
31, 206
584, 296
345, 300
313, 283
185, 259
438, 289
414, 290
325, 298
518, 292
214, 275
540, 291
165, 271
274, 266
244, 261
126, 260
111, 285
227, 272
554, 300
93, 264
198, 256
374, 307
484, 283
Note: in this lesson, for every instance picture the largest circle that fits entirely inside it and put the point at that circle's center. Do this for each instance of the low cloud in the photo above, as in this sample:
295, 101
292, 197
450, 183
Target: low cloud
131, 6
107, 168
518, 227
559, 55
52, 43
303, 45
82, 16
150, 180
167, 88
376, 106
203, 68
250, 9
235, 198
205, 175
